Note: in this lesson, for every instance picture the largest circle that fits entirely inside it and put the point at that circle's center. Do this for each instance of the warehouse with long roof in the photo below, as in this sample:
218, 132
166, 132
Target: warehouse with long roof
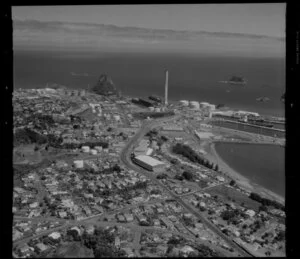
149, 163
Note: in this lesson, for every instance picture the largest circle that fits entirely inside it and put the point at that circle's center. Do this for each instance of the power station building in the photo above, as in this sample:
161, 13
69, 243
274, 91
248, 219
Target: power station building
184, 103
149, 163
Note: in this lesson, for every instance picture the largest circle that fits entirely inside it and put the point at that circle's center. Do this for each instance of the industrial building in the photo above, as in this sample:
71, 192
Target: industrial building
184, 103
194, 105
243, 113
142, 148
149, 163
205, 105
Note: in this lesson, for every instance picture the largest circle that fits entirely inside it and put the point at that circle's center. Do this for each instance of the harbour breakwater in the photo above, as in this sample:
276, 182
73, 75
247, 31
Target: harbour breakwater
278, 133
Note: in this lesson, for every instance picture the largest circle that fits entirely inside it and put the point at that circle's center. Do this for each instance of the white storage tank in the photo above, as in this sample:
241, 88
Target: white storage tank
204, 104
184, 103
211, 107
157, 109
78, 163
85, 149
194, 105
94, 151
151, 109
117, 117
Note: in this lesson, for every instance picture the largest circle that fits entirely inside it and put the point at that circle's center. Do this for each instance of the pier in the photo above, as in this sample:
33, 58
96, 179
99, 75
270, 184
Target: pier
272, 132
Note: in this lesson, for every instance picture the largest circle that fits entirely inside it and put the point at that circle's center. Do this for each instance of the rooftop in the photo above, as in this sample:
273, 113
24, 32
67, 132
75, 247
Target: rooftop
149, 160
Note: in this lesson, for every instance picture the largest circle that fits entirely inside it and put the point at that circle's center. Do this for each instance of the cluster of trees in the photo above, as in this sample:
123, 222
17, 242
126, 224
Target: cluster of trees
101, 242
24, 169
190, 154
127, 189
280, 236
232, 183
56, 142
175, 240
232, 216
75, 119
152, 133
28, 136
265, 201
126, 192
87, 171
41, 121
205, 251
185, 176
162, 176
202, 183
188, 222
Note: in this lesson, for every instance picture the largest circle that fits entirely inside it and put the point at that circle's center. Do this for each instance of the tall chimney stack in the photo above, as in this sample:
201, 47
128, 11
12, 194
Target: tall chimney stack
166, 87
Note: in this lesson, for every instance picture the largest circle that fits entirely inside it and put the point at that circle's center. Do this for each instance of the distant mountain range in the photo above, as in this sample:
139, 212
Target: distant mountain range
126, 31
40, 35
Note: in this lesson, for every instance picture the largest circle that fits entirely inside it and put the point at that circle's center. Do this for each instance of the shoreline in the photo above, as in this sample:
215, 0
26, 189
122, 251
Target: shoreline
171, 100
241, 180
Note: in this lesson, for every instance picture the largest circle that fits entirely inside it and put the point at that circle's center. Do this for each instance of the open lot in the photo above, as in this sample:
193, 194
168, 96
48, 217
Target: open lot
226, 193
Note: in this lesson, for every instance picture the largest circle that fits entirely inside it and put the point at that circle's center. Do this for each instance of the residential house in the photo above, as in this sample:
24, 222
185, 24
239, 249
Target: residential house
40, 247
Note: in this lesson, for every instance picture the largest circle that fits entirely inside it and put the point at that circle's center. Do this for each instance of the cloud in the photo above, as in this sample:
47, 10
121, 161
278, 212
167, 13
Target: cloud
67, 34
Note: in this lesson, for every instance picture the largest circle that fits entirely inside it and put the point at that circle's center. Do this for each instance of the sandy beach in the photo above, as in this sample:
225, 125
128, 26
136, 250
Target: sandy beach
241, 180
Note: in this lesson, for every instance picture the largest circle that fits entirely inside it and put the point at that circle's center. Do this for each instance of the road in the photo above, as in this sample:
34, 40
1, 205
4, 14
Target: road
125, 158
95, 219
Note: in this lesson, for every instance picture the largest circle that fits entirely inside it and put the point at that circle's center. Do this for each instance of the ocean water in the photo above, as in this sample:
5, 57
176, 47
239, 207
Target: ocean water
191, 77
262, 164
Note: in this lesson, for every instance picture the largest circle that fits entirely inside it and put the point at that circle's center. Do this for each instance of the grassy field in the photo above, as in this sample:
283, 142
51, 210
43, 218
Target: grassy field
229, 194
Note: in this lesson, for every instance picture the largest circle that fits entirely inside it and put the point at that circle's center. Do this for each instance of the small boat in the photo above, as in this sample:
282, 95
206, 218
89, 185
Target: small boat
263, 99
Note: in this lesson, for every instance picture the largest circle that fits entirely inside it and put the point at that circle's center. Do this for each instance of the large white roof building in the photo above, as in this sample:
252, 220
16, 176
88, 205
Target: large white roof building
149, 163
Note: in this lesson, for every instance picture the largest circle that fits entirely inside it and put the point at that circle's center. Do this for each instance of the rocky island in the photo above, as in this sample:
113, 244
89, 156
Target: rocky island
105, 86
236, 80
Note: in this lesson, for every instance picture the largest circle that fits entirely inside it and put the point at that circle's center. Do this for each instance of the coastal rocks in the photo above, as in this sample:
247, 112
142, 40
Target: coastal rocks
105, 86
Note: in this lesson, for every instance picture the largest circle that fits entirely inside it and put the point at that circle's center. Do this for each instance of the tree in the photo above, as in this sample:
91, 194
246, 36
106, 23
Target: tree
188, 175
216, 168
232, 183
174, 161
164, 138
178, 177
162, 176
228, 215
263, 208
280, 236
175, 240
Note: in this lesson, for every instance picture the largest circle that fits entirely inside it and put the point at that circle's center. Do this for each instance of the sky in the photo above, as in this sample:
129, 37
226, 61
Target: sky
62, 26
